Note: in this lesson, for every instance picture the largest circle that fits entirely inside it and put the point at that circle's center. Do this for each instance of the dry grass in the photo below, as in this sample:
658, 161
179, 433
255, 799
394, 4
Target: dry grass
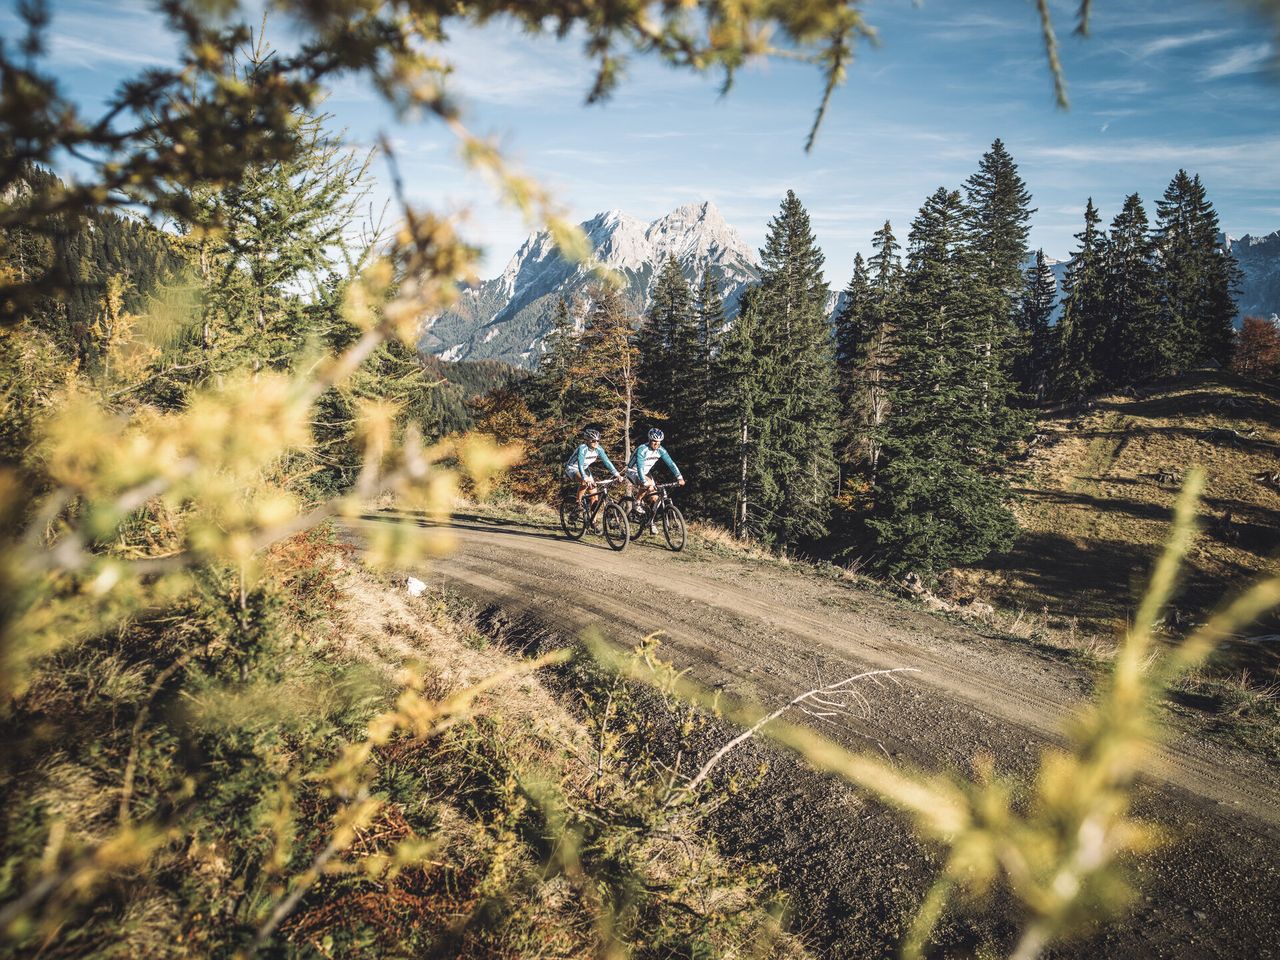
522, 727
717, 538
1094, 509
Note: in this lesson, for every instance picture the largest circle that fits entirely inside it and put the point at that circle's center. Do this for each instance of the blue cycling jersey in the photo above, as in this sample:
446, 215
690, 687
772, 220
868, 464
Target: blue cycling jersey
584, 457
646, 458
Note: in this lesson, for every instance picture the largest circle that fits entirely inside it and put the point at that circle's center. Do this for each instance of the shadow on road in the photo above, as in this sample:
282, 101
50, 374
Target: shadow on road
470, 521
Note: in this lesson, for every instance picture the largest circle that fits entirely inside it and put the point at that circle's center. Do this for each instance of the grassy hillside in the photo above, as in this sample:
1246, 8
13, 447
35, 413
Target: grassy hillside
508, 825
1096, 493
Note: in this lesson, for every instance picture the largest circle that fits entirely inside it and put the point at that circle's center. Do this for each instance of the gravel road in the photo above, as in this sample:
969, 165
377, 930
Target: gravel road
853, 871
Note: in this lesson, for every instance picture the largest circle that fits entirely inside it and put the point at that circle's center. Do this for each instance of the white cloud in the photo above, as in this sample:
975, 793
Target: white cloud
594, 157
1234, 165
104, 36
1240, 60
68, 50
975, 22
1177, 41
1145, 151
1118, 86
497, 65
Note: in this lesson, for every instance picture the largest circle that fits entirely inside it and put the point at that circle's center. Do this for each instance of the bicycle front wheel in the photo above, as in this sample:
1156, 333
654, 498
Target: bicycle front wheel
573, 518
673, 528
617, 529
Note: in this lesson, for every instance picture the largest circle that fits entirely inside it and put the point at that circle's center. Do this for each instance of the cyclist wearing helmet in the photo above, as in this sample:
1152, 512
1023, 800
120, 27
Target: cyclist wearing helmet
578, 466
645, 458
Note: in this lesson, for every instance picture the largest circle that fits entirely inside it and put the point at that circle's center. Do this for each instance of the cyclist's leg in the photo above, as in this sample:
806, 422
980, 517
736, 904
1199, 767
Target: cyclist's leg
634, 484
651, 500
574, 474
585, 483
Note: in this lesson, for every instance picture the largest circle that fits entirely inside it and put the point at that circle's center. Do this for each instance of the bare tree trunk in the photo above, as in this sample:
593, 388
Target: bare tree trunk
878, 399
740, 512
206, 341
626, 425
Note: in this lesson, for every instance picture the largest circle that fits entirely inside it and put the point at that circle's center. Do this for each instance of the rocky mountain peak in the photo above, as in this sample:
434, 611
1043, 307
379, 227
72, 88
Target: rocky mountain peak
508, 317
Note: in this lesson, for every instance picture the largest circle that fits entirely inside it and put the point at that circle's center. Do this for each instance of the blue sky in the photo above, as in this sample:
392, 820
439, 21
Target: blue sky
1161, 84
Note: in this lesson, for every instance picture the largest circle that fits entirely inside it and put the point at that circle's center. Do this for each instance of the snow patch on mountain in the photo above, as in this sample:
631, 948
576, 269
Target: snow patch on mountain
508, 317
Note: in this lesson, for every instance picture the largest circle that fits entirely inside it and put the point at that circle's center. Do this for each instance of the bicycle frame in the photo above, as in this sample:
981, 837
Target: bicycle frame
660, 489
598, 496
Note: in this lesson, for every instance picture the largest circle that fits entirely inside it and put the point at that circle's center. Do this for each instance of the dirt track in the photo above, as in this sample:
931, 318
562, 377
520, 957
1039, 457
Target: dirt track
854, 873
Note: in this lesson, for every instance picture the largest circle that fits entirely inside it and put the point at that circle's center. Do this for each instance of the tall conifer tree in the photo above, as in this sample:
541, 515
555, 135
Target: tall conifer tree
551, 386
940, 499
853, 339
1196, 275
999, 210
1083, 321
697, 442
800, 411
1039, 359
666, 343
886, 288
744, 371
1135, 344
999, 218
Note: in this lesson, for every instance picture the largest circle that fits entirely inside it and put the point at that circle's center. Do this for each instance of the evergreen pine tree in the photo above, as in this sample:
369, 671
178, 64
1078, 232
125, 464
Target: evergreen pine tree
1082, 325
550, 387
1040, 358
1221, 279
886, 285
1135, 345
738, 373
999, 211
853, 338
281, 233
666, 343
1180, 272
940, 498
1196, 275
999, 217
798, 415
697, 434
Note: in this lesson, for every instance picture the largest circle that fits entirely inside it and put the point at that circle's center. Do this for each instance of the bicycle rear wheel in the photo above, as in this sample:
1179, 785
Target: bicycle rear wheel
573, 518
673, 527
617, 529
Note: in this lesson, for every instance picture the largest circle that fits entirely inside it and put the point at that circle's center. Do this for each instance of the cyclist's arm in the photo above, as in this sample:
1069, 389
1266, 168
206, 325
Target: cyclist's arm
671, 464
582, 459
604, 458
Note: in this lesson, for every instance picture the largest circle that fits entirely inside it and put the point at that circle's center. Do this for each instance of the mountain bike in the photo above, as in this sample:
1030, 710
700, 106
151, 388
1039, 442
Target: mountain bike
664, 512
576, 518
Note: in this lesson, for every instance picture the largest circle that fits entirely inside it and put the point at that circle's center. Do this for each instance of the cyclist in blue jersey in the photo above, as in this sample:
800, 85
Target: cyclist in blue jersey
578, 466
646, 457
